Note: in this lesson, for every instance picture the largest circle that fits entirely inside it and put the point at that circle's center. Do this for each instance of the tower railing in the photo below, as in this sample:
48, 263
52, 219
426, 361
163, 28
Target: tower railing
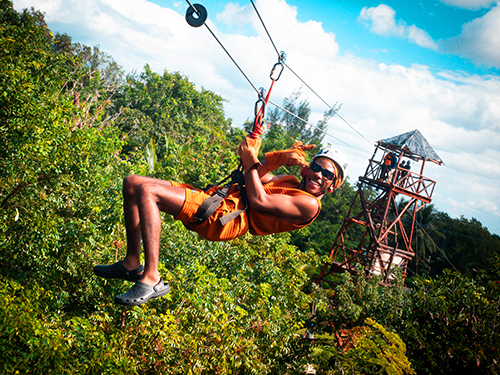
405, 181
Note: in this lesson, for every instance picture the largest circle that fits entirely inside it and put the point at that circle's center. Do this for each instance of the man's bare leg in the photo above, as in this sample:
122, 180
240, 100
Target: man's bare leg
132, 222
144, 198
132, 219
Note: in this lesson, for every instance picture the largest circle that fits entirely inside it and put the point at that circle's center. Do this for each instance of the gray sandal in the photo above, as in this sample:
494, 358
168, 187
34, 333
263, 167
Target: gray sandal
141, 293
118, 271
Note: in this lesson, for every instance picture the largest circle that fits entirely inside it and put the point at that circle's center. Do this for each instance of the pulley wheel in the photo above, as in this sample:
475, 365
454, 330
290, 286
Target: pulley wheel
197, 17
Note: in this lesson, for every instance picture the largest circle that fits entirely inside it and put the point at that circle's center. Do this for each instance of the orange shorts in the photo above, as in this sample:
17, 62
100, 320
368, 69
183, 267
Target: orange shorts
212, 229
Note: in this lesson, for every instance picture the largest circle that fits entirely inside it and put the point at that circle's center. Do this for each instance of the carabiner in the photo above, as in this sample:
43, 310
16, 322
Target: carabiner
278, 64
259, 107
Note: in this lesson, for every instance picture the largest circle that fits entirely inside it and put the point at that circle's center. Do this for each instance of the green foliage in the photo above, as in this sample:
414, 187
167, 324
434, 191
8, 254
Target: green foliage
376, 350
62, 174
71, 128
245, 297
35, 340
212, 322
358, 298
449, 323
453, 326
187, 127
466, 245
441, 242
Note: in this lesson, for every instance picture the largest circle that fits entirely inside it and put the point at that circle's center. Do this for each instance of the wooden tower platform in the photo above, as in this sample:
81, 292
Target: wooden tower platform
372, 236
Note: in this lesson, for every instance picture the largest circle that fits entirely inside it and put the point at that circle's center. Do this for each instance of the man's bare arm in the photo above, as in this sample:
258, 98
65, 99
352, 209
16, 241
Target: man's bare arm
298, 209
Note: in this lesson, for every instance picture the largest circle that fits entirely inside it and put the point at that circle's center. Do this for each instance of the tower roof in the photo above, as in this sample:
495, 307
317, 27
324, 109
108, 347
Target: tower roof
413, 143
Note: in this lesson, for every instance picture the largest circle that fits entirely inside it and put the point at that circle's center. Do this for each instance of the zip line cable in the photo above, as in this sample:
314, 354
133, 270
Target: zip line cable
265, 28
309, 87
225, 50
202, 22
244, 75
328, 105
314, 126
437, 247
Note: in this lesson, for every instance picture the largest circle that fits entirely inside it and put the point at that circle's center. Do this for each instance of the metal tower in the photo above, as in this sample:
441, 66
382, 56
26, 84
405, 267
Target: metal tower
372, 234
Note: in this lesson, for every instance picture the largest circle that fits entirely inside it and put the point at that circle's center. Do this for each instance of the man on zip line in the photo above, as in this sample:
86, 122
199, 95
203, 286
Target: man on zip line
268, 204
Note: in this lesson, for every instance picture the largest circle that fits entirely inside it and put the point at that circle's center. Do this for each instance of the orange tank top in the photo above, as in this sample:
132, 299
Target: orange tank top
258, 223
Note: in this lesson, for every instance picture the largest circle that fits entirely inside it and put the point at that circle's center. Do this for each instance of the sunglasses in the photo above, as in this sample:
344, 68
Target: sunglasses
329, 175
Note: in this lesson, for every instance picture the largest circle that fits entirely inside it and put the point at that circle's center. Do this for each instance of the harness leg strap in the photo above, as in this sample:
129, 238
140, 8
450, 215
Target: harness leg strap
210, 205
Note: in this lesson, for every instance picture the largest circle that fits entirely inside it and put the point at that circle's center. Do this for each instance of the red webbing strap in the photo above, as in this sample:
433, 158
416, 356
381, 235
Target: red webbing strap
258, 130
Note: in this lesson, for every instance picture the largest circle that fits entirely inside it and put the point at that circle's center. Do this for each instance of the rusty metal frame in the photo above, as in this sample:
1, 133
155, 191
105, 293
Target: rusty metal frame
380, 223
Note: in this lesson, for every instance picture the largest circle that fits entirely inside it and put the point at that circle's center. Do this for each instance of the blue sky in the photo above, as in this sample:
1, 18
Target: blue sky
395, 66
438, 20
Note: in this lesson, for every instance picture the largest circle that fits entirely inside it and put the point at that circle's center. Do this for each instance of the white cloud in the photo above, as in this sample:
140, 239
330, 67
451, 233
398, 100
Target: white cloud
420, 37
234, 15
479, 40
288, 33
387, 100
470, 4
382, 21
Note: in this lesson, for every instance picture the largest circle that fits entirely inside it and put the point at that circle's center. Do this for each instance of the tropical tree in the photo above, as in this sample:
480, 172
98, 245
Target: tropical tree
441, 242
467, 246
292, 124
448, 323
185, 127
60, 172
425, 237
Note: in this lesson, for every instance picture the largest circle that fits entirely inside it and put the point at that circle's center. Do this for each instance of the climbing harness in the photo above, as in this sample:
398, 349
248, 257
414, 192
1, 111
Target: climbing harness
210, 205
196, 16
